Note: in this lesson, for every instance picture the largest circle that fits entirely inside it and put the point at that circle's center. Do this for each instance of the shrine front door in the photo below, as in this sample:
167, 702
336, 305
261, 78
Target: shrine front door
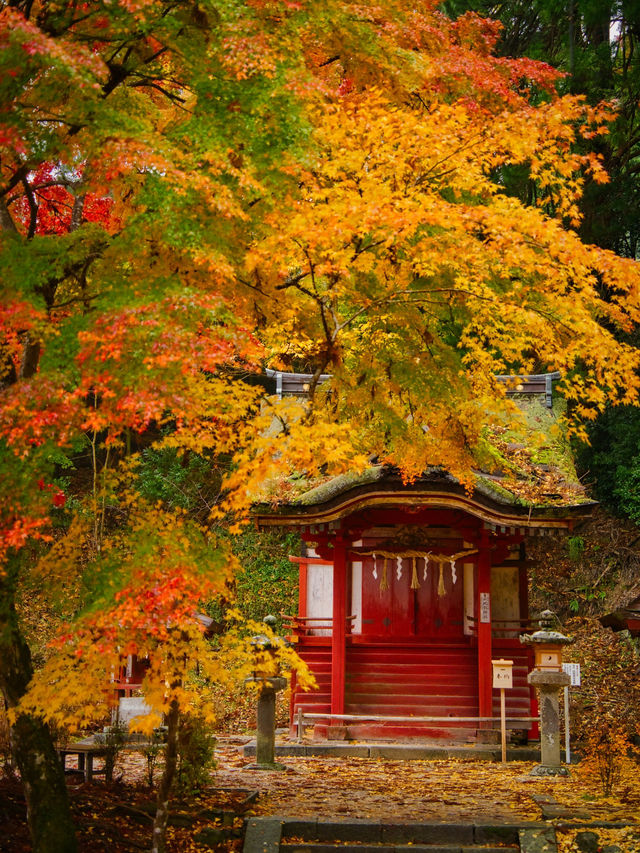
407, 597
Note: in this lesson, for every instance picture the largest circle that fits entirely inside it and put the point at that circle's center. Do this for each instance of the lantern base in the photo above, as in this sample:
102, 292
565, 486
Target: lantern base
548, 770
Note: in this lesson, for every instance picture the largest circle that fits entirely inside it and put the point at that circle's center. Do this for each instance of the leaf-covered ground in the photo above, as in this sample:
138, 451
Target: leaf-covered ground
114, 818
424, 790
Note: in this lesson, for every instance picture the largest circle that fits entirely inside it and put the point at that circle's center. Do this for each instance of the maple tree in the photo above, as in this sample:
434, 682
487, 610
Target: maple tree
191, 192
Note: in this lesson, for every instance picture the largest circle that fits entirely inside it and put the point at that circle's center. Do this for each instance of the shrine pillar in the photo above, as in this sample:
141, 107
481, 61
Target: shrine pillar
339, 631
485, 682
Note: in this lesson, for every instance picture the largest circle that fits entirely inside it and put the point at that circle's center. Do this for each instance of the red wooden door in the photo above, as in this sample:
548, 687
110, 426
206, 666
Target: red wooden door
440, 600
434, 609
390, 611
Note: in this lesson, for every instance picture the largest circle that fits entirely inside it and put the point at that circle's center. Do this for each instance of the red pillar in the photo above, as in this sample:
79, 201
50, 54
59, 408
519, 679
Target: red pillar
338, 637
485, 676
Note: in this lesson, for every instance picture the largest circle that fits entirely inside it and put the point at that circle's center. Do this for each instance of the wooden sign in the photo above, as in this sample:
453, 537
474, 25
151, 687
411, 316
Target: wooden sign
485, 607
573, 671
502, 674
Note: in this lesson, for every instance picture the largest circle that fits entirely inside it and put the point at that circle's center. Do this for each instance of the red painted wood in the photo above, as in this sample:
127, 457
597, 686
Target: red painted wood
387, 612
439, 616
413, 679
412, 657
401, 612
407, 731
338, 635
485, 675
302, 588
318, 659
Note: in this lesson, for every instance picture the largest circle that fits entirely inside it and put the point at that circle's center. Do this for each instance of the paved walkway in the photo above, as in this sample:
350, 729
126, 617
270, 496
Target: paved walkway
443, 783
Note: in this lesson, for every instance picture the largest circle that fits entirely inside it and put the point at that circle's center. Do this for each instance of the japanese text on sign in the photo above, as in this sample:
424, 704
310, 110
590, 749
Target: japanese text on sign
573, 671
485, 607
502, 674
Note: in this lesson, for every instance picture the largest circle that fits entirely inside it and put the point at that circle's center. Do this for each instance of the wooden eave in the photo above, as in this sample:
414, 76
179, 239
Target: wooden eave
391, 493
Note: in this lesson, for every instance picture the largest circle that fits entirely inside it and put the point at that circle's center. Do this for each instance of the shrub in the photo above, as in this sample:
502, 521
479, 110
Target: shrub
608, 756
196, 755
114, 738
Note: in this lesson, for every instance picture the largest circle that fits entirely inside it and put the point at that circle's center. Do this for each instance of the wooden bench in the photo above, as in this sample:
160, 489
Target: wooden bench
86, 751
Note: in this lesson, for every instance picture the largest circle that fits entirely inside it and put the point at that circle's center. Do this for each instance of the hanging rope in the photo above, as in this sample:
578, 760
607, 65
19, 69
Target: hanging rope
440, 559
415, 583
384, 581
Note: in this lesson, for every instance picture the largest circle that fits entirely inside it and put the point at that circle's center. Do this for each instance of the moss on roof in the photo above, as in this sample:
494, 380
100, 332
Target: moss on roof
528, 464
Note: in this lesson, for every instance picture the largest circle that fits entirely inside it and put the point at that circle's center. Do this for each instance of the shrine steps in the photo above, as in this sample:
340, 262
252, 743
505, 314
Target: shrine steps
406, 680
318, 701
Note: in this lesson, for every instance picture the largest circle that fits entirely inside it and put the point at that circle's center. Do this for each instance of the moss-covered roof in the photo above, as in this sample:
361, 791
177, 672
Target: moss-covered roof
526, 477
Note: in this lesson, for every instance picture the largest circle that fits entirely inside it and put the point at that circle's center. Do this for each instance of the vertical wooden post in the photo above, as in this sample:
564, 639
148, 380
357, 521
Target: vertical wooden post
503, 725
303, 570
338, 635
485, 680
299, 728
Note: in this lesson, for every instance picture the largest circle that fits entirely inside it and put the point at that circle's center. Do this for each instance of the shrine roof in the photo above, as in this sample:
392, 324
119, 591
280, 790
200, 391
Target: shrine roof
380, 486
527, 480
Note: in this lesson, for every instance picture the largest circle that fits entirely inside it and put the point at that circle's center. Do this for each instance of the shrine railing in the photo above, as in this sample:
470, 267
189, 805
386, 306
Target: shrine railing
313, 626
504, 628
303, 717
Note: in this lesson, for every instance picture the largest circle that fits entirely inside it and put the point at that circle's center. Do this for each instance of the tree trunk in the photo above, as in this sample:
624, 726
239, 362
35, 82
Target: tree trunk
164, 788
48, 812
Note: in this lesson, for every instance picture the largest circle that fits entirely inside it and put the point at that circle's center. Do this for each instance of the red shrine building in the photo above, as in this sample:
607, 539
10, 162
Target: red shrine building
407, 592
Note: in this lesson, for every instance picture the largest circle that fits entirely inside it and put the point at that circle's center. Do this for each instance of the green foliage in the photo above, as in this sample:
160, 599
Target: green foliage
196, 755
268, 581
179, 480
575, 545
115, 739
611, 462
152, 752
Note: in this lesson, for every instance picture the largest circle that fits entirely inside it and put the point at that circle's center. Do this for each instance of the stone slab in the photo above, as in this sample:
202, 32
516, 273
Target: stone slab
300, 827
541, 840
397, 752
349, 829
338, 750
292, 847
427, 833
496, 833
262, 835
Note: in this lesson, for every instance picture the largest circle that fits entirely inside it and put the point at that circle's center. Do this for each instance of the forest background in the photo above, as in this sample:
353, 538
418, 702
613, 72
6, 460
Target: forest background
192, 192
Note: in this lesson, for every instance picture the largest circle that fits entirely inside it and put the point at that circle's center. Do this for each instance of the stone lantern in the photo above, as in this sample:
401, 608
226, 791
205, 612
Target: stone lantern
266, 675
549, 679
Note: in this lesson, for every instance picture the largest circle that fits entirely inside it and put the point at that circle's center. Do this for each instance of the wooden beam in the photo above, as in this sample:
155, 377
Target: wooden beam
485, 679
338, 635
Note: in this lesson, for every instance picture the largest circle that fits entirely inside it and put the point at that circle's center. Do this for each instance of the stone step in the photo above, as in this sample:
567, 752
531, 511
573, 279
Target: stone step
291, 847
393, 834
309, 835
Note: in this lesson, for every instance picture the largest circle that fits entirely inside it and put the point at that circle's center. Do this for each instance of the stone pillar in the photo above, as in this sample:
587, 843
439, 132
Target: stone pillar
266, 676
266, 734
549, 685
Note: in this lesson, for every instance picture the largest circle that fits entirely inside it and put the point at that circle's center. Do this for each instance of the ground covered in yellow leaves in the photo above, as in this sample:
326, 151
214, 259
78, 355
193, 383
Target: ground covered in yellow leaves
456, 790
116, 818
